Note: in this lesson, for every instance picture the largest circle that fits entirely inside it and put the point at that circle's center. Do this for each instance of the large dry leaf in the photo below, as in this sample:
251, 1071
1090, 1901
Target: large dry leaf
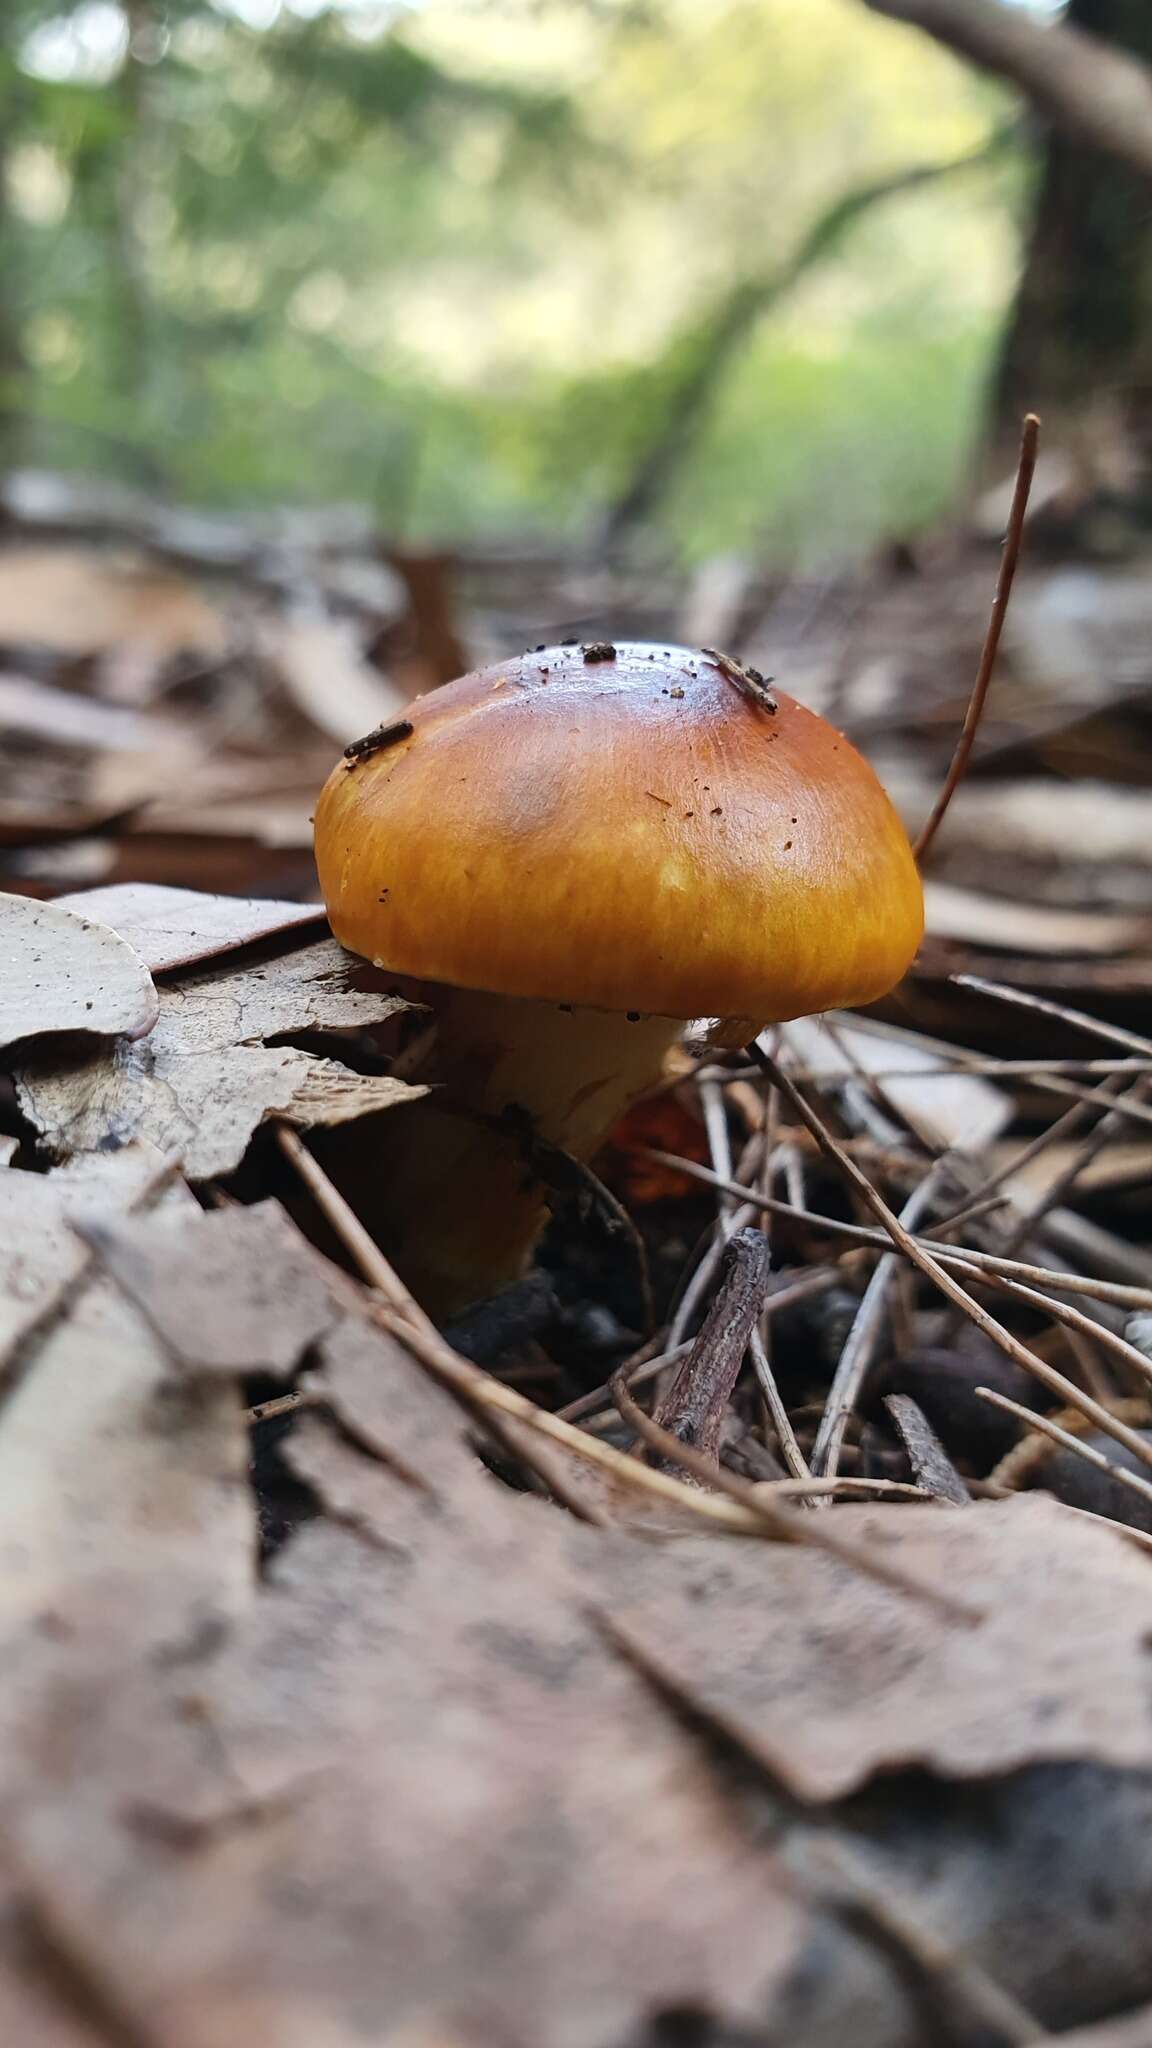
62, 972
40, 1252
206, 1079
433, 1806
172, 928
238, 1291
831, 1678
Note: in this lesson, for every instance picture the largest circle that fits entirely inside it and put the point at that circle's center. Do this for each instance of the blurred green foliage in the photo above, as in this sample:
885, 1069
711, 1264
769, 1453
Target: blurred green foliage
450, 258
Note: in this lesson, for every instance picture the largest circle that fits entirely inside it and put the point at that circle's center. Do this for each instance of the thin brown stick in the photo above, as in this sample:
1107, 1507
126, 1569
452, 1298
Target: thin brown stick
639, 1370
809, 1529
774, 1409
1029, 441
1071, 1318
284, 1404
848, 1485
1117, 1292
731, 1506
1044, 1426
1072, 1395
1045, 1007
930, 1463
956, 1981
694, 1406
860, 1345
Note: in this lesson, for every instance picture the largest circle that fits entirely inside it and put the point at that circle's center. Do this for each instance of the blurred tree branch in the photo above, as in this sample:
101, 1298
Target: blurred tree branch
707, 350
1080, 82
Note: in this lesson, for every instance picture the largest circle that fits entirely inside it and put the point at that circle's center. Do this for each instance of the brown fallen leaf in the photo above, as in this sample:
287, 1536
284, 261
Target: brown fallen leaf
398, 1414
178, 927
830, 1681
120, 1490
432, 1802
62, 972
236, 1290
40, 1253
206, 1078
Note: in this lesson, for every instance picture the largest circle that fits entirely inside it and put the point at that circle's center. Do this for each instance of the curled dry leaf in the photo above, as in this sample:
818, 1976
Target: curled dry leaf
206, 1078
177, 927
63, 972
830, 1679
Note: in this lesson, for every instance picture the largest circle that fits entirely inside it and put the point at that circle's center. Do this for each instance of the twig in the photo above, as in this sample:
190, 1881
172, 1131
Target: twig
846, 1485
732, 1506
931, 1465
1008, 560
953, 1977
702, 1274
1044, 1426
366, 1253
945, 1281
1063, 1127
809, 1529
693, 1409
1110, 1126
1114, 1033
719, 1144
1116, 1292
284, 1404
776, 1412
1071, 1318
860, 1347
647, 1366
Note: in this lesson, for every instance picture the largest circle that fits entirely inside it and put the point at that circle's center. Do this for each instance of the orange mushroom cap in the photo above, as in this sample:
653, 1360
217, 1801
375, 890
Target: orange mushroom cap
629, 830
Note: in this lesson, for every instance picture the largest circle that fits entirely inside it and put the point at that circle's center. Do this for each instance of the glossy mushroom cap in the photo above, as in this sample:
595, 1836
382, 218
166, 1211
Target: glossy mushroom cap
633, 831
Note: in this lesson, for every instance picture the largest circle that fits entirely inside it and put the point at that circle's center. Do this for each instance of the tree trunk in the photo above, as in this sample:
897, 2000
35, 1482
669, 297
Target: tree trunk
1078, 347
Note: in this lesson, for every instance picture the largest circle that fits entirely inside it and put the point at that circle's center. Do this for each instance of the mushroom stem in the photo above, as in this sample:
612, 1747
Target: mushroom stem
466, 1200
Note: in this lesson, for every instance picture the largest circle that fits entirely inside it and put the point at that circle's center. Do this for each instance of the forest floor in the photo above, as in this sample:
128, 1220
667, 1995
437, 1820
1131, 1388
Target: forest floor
375, 1682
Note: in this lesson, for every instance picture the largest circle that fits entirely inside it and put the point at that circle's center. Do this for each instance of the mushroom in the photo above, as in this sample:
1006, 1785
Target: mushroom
566, 855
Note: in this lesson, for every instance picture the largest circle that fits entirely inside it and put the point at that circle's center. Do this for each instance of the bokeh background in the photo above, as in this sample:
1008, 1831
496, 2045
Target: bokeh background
731, 274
